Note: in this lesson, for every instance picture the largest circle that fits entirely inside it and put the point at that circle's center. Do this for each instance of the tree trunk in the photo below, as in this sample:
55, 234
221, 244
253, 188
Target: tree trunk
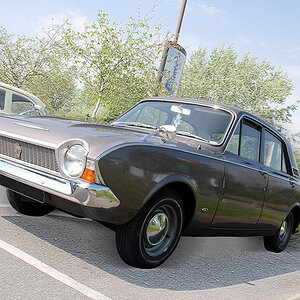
98, 104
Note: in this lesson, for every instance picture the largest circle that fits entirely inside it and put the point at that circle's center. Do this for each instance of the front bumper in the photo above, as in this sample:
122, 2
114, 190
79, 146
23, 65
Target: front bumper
80, 198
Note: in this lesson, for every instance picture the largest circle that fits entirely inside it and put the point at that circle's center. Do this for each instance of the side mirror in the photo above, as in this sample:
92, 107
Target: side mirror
168, 131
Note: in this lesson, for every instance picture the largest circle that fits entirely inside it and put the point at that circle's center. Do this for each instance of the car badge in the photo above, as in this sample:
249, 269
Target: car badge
18, 151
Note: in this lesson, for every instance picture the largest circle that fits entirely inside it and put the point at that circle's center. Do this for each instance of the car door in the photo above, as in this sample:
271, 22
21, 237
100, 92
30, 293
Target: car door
245, 180
281, 187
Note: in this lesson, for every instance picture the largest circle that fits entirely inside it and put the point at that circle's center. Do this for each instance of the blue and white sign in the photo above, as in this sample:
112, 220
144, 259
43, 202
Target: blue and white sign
173, 68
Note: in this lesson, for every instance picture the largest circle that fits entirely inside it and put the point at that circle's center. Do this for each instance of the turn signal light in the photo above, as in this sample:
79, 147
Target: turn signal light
89, 175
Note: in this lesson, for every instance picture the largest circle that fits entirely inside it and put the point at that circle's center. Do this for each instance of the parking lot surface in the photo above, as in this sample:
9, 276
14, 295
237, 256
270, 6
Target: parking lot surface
62, 257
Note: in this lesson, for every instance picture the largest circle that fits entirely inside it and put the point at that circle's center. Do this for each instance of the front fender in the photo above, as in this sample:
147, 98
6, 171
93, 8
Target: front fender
169, 180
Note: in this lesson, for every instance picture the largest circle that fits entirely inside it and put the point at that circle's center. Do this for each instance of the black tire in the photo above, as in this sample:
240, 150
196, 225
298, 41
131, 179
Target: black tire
136, 241
27, 206
280, 240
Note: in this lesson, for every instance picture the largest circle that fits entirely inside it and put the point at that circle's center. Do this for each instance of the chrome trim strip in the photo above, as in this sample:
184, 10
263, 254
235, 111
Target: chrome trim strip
245, 166
83, 193
28, 140
35, 178
263, 170
31, 126
287, 179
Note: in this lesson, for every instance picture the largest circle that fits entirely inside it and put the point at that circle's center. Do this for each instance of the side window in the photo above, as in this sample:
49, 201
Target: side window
273, 153
20, 104
250, 141
246, 141
2, 99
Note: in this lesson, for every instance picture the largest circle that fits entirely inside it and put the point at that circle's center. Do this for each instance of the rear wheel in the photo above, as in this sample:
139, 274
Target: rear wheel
150, 238
27, 206
280, 240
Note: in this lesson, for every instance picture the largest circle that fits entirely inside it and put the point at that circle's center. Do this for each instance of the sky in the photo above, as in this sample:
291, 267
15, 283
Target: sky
266, 28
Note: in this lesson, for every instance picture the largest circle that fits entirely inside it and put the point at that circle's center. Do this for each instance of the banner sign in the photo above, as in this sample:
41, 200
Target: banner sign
173, 68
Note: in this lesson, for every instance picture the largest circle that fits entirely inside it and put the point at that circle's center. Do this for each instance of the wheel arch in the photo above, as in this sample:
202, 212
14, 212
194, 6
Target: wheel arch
295, 210
185, 188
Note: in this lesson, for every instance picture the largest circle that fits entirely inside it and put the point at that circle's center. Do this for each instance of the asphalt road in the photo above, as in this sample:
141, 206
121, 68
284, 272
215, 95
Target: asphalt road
62, 257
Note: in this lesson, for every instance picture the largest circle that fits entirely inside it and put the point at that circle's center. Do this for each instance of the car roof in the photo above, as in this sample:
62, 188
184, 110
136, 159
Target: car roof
18, 90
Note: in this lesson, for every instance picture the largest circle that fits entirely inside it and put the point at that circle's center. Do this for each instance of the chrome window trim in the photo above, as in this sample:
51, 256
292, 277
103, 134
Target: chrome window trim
245, 166
284, 179
271, 131
265, 171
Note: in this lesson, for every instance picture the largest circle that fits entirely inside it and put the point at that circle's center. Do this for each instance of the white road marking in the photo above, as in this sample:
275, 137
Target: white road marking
81, 288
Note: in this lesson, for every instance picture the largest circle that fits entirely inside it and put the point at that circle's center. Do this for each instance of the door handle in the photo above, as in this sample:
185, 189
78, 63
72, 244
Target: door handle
292, 183
263, 173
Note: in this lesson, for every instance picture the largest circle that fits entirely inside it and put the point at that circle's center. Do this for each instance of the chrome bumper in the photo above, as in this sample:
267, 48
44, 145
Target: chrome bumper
82, 193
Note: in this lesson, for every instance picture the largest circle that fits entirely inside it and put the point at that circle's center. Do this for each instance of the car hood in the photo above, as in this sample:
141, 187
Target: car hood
100, 138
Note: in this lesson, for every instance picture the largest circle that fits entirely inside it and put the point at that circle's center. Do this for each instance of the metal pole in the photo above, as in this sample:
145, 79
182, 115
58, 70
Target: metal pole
180, 21
167, 45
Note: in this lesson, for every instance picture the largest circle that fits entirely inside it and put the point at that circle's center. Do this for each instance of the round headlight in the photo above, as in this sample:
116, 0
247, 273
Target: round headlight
74, 161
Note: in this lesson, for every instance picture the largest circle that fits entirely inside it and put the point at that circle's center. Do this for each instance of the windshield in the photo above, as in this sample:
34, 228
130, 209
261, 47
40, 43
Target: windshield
195, 121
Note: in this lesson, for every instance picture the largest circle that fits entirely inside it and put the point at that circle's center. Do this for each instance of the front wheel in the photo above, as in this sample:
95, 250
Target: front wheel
280, 240
27, 206
153, 234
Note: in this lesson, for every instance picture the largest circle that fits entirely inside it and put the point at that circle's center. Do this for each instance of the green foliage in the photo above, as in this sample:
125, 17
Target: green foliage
297, 157
295, 140
38, 66
56, 90
257, 87
116, 63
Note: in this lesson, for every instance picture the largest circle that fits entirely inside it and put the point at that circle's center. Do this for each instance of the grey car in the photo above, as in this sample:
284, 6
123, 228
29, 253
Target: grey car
168, 167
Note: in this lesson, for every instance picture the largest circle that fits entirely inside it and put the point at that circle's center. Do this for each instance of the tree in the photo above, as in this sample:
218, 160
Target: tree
116, 63
22, 58
37, 65
56, 89
295, 141
257, 87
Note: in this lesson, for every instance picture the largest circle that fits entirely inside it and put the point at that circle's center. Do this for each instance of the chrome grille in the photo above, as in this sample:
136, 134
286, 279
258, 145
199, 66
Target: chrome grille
29, 153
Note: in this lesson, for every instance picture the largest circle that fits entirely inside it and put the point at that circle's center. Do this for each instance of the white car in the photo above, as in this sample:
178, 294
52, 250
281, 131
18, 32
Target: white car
16, 101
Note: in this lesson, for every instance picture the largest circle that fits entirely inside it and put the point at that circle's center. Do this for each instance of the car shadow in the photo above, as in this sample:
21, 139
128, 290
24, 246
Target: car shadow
197, 263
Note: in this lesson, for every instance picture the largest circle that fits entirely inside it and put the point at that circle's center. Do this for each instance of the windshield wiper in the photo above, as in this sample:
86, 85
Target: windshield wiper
136, 124
185, 133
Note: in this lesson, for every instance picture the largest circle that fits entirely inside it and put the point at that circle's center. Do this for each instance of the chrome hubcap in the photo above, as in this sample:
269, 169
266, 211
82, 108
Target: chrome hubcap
157, 229
283, 229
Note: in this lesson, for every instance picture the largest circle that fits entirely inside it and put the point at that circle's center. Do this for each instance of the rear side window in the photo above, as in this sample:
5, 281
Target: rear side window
250, 141
273, 153
2, 99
